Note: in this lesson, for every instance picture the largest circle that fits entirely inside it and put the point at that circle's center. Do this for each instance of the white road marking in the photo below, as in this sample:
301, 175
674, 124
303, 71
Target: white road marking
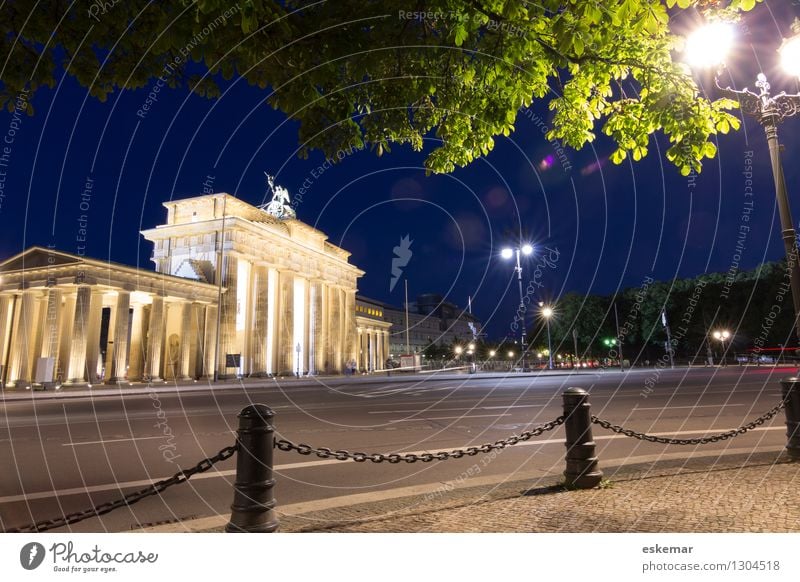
302, 465
665, 408
449, 417
417, 410
77, 444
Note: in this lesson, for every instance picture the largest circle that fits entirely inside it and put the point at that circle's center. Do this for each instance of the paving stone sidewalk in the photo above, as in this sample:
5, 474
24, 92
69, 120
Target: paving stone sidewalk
731, 493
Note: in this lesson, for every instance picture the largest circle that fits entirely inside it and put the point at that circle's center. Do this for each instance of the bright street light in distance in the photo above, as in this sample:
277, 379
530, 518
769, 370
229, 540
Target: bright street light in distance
471, 346
458, 350
547, 312
527, 249
492, 353
722, 335
507, 253
510, 354
709, 45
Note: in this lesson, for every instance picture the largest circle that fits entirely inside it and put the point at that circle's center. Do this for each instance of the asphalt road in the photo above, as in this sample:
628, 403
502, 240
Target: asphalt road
63, 455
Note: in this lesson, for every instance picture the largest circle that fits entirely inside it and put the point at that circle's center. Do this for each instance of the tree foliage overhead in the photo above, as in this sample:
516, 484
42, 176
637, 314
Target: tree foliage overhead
356, 72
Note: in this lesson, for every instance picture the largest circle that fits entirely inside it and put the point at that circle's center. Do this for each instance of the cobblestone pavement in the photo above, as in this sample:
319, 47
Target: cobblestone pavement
732, 493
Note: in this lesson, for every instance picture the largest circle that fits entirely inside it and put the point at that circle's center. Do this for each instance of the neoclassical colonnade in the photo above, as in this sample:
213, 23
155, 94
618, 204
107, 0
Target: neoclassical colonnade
373, 347
373, 335
68, 319
289, 301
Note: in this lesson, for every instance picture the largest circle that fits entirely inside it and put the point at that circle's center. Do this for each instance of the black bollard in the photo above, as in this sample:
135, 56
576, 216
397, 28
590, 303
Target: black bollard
253, 505
790, 391
582, 470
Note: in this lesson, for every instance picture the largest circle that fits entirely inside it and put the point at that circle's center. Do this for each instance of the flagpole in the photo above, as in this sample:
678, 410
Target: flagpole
408, 346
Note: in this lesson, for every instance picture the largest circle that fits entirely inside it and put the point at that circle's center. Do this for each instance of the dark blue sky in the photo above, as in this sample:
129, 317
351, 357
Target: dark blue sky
611, 225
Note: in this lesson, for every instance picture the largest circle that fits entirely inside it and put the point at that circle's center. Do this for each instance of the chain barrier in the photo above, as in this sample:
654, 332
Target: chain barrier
129, 499
696, 441
358, 457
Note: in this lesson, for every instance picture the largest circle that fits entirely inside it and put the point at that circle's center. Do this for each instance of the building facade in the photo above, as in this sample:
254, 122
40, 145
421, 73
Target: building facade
237, 291
431, 320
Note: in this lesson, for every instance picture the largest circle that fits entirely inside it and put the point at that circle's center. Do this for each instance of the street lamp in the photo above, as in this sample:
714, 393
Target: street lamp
722, 336
508, 253
547, 313
769, 110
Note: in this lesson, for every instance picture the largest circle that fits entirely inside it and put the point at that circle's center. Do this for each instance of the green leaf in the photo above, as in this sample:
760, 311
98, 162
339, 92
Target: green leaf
460, 34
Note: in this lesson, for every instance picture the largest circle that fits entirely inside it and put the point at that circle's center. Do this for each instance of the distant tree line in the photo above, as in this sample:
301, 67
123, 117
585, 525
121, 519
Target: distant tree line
754, 306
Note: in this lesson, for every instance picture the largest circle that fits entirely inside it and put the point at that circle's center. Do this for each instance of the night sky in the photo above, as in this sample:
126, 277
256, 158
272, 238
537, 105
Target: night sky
602, 227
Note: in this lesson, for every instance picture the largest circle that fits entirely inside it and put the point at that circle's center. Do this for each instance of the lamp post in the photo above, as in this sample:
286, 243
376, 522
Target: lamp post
508, 253
708, 47
547, 313
722, 336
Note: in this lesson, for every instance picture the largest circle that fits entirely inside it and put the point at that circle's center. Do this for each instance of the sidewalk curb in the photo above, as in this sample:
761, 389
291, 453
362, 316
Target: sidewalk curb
312, 516
205, 387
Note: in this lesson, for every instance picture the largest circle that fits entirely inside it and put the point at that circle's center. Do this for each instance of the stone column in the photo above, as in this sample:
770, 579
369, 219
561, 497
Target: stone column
93, 335
187, 330
21, 338
336, 323
307, 362
286, 324
138, 340
260, 320
210, 345
227, 332
316, 348
362, 352
273, 299
65, 325
386, 343
118, 351
52, 321
379, 349
349, 334
80, 322
155, 340
324, 329
248, 310
6, 313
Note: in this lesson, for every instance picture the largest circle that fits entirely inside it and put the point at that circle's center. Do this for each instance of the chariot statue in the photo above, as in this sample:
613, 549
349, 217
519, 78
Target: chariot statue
280, 205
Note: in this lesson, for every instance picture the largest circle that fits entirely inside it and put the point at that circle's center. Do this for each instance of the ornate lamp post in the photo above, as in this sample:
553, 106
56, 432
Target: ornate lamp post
508, 253
547, 313
707, 47
722, 336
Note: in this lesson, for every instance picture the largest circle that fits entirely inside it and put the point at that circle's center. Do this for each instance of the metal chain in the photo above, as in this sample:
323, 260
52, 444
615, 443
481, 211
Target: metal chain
131, 498
358, 457
696, 441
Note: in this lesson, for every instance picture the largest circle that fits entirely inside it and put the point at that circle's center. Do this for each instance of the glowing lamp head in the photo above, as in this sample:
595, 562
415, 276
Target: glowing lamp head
507, 253
709, 45
492, 353
510, 354
458, 350
547, 312
527, 249
790, 51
